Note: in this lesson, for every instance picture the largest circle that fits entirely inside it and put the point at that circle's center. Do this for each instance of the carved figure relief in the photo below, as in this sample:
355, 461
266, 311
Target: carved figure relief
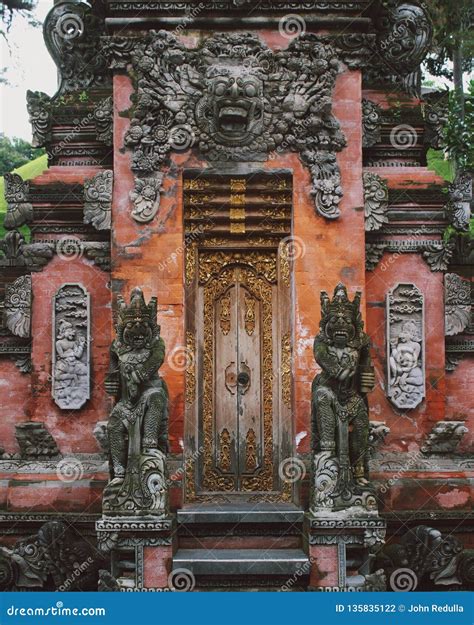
405, 346
71, 347
457, 304
138, 424
340, 421
235, 99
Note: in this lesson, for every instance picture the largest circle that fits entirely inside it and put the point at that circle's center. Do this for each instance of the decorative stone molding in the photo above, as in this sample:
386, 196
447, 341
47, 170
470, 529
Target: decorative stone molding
35, 442
19, 210
103, 118
457, 304
221, 98
17, 306
39, 107
371, 123
375, 201
72, 35
435, 113
445, 437
405, 346
436, 253
18, 253
98, 200
458, 207
146, 198
71, 347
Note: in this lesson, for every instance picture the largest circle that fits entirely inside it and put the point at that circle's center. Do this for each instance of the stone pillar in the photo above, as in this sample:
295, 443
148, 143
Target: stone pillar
140, 550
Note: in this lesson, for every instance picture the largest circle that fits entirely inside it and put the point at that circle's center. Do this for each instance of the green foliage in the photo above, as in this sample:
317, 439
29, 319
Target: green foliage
459, 130
27, 172
16, 152
452, 31
437, 162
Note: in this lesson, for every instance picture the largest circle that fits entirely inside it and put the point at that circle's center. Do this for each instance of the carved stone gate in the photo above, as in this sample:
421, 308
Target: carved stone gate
238, 320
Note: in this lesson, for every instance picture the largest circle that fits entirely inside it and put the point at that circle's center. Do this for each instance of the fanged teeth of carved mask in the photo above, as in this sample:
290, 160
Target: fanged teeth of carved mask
233, 118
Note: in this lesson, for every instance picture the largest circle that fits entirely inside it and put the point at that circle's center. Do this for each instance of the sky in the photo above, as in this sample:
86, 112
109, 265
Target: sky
29, 66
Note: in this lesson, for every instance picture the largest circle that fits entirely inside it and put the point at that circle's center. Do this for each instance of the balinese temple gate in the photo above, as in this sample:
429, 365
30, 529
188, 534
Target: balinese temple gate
237, 344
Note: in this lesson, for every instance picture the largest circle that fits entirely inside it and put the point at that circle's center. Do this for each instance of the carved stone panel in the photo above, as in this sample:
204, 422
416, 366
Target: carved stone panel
457, 304
17, 306
405, 346
375, 201
98, 200
71, 347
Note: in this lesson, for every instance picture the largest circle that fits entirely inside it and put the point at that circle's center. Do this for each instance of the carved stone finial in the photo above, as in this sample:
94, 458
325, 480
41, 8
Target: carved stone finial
19, 210
98, 200
72, 34
375, 201
458, 207
17, 306
35, 442
71, 347
39, 105
138, 424
445, 437
340, 421
438, 255
405, 346
371, 122
457, 304
103, 118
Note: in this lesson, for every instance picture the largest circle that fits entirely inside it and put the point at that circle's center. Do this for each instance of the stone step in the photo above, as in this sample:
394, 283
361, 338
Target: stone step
261, 513
232, 562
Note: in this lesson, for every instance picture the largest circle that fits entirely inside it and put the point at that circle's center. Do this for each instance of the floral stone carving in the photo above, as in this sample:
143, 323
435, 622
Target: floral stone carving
235, 100
19, 210
375, 201
457, 304
71, 347
98, 200
371, 123
17, 306
138, 424
458, 207
340, 421
405, 346
445, 437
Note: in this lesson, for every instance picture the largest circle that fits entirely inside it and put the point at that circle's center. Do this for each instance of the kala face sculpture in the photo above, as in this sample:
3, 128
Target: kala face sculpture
340, 420
138, 424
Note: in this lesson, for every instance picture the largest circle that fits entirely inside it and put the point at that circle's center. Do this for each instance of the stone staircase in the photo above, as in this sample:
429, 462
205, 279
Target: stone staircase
248, 546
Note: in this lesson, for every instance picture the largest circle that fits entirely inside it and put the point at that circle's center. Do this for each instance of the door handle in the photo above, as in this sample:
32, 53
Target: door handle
243, 378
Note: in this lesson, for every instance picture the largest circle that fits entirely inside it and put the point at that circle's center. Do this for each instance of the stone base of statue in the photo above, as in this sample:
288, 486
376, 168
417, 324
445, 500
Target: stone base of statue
140, 551
342, 546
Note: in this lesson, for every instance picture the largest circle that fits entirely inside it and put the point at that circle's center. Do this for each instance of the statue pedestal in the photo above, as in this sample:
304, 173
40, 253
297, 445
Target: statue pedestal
341, 548
140, 548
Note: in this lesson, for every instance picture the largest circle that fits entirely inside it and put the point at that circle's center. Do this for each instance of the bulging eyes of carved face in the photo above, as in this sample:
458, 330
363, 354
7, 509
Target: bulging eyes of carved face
136, 334
340, 330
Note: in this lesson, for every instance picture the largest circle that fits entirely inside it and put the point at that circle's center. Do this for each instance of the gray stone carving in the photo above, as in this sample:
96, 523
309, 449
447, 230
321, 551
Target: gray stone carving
378, 430
375, 201
435, 113
98, 200
458, 207
19, 210
146, 198
101, 436
436, 253
371, 123
17, 306
71, 347
223, 99
103, 118
72, 35
457, 304
35, 442
445, 437
405, 346
39, 106
138, 424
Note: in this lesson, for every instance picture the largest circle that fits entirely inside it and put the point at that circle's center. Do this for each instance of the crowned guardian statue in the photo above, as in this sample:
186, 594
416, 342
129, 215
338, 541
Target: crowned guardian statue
340, 420
138, 424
